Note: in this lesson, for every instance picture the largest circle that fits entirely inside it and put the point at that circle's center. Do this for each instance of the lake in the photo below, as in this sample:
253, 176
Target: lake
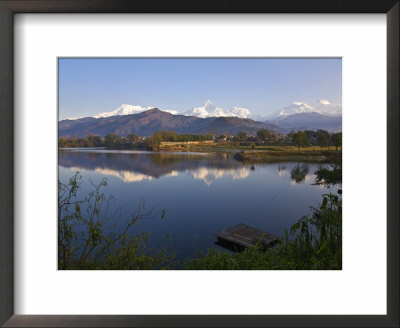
201, 193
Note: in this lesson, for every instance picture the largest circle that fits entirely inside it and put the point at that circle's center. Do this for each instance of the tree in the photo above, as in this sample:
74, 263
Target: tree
337, 139
111, 140
322, 138
94, 141
264, 135
62, 142
133, 138
300, 139
85, 242
241, 136
74, 142
155, 139
165, 135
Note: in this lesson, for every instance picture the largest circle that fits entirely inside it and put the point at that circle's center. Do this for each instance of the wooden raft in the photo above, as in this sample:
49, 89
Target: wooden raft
243, 236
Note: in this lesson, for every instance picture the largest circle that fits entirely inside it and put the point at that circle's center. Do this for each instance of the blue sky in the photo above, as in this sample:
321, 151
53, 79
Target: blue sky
262, 85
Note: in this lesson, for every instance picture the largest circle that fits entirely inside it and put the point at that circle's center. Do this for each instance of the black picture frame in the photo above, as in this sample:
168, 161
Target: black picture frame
10, 7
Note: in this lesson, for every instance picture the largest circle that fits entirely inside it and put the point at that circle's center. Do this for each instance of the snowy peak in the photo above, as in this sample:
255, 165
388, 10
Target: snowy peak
209, 103
210, 110
125, 109
322, 106
207, 110
295, 108
241, 112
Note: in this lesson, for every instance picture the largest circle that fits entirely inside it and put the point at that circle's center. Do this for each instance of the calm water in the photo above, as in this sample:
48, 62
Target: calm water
200, 193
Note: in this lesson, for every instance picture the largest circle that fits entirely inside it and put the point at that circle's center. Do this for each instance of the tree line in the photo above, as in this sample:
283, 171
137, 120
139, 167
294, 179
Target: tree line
321, 138
170, 136
109, 141
300, 139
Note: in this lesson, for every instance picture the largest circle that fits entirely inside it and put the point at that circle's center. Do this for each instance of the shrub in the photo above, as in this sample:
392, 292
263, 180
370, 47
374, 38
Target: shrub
315, 244
83, 242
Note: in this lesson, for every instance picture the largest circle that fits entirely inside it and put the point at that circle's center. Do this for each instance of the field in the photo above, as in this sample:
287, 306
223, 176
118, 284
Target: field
247, 153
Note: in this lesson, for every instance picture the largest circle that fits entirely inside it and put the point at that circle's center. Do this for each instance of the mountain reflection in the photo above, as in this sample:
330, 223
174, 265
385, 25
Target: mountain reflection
131, 167
210, 175
139, 166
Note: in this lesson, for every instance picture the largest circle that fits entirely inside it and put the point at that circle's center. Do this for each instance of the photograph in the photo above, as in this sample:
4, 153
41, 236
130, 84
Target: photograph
199, 163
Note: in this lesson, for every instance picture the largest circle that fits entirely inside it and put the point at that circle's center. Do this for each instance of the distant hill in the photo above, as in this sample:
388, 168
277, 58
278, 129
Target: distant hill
152, 120
309, 121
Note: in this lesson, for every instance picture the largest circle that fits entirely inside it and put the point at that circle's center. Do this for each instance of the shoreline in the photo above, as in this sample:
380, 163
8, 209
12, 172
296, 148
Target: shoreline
289, 155
246, 154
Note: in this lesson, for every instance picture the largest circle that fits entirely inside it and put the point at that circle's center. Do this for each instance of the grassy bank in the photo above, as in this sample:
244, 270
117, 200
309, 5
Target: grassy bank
315, 243
234, 146
289, 154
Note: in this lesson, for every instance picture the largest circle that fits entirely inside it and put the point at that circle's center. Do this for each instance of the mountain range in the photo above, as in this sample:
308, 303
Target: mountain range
208, 118
301, 116
152, 120
322, 106
309, 121
207, 110
210, 110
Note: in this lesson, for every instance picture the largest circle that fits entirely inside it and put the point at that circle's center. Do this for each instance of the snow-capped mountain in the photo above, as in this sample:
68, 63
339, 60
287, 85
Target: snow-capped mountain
207, 110
153, 120
320, 114
125, 109
210, 110
301, 116
323, 107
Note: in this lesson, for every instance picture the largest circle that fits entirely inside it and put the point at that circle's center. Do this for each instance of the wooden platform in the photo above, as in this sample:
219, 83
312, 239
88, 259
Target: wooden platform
243, 236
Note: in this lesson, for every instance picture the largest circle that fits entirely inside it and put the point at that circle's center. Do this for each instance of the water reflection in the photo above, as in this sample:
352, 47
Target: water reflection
210, 175
201, 193
282, 171
125, 176
132, 167
135, 167
298, 173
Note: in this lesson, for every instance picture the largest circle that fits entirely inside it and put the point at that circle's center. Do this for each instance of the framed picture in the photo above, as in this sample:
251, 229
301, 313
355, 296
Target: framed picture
165, 166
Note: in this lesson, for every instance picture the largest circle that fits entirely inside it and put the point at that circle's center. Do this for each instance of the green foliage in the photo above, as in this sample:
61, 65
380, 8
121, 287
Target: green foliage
337, 139
315, 243
300, 139
169, 136
328, 177
264, 134
90, 141
322, 138
241, 136
111, 140
133, 138
83, 240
